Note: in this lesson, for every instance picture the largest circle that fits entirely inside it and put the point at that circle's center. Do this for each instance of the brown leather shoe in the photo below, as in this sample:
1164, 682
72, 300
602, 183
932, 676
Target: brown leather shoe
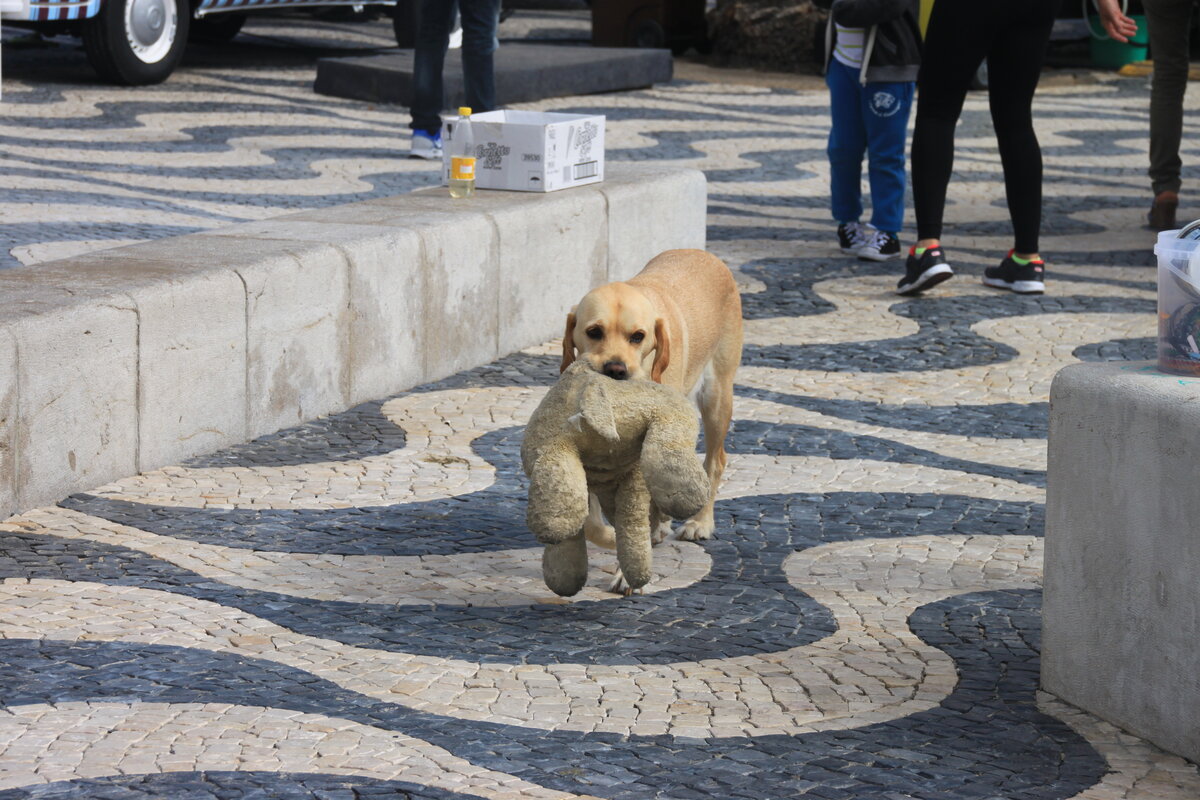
1162, 213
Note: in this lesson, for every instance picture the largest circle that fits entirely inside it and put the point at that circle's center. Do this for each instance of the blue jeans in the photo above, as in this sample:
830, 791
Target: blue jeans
479, 21
871, 119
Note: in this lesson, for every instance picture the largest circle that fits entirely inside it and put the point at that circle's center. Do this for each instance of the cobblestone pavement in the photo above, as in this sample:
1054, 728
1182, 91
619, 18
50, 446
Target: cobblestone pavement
353, 608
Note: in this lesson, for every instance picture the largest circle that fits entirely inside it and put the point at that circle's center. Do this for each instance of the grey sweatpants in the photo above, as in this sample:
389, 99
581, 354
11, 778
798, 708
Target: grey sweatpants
1169, 24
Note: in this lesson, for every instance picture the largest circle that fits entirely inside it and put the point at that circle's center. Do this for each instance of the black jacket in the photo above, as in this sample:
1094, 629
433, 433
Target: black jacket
892, 50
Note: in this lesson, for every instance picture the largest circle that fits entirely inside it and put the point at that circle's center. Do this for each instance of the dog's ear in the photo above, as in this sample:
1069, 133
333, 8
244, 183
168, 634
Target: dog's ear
662, 350
568, 355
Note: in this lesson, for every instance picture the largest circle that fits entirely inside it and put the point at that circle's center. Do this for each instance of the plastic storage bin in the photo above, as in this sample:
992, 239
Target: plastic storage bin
1111, 54
1179, 300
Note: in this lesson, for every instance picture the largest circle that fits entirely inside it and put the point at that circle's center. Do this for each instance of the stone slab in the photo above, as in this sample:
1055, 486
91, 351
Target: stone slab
524, 72
137, 357
570, 244
386, 280
297, 309
678, 204
77, 421
191, 357
8, 420
1122, 599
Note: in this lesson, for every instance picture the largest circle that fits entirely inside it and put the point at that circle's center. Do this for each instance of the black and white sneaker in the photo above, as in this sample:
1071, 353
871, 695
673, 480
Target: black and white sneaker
880, 246
924, 271
851, 237
1023, 279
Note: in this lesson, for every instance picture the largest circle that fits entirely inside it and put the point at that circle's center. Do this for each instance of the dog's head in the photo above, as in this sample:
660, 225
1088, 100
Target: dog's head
615, 330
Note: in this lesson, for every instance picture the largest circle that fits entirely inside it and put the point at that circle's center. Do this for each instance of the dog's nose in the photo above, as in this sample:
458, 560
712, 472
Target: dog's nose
616, 370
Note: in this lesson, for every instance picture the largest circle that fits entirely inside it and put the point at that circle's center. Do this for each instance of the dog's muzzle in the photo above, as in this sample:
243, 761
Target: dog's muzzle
616, 370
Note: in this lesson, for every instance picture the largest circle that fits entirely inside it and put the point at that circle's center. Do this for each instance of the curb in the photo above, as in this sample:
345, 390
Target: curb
133, 358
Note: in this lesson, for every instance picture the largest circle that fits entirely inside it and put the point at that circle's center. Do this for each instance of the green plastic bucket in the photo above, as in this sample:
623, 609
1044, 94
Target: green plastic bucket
1111, 54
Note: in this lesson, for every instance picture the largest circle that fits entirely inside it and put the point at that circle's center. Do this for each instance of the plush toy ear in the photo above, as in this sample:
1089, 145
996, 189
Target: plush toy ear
568, 355
595, 407
662, 350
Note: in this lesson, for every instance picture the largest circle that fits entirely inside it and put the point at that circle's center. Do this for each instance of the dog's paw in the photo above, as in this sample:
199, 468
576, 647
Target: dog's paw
661, 532
620, 586
695, 531
600, 535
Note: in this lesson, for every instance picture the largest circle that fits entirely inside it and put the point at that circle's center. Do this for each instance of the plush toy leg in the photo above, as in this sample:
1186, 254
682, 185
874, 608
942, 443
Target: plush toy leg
558, 496
674, 477
632, 521
565, 565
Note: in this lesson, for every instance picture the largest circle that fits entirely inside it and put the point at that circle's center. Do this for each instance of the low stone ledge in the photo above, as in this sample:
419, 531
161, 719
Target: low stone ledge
1122, 597
524, 71
137, 357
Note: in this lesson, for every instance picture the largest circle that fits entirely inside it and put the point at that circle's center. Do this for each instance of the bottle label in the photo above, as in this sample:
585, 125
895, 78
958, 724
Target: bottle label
462, 168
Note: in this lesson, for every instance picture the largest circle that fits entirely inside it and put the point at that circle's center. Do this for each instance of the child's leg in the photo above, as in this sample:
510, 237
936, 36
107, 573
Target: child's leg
886, 107
847, 142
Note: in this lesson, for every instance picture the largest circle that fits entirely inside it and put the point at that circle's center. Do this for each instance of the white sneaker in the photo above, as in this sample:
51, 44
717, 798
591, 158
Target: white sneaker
880, 246
852, 236
426, 146
456, 38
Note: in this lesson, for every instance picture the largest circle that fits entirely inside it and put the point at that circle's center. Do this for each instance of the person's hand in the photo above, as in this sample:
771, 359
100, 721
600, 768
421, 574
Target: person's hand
1119, 26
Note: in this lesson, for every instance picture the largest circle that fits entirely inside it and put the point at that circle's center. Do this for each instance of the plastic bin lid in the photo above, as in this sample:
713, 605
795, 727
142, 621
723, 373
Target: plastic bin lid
1178, 252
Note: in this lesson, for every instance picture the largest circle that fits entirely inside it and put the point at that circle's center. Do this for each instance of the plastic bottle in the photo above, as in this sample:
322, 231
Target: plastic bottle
462, 156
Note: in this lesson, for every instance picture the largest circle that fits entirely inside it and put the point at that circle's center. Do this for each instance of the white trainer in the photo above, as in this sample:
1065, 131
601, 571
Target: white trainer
426, 146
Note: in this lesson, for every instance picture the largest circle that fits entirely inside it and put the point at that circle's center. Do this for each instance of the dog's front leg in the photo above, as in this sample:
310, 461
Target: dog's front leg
660, 526
597, 531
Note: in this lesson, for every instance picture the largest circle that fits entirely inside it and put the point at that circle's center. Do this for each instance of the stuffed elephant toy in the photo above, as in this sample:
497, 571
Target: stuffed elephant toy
631, 444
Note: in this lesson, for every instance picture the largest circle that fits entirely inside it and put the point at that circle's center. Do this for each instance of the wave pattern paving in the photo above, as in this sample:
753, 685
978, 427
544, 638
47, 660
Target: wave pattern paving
353, 608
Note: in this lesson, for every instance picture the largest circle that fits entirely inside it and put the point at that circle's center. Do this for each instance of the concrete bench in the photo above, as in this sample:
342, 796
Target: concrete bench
1122, 572
137, 357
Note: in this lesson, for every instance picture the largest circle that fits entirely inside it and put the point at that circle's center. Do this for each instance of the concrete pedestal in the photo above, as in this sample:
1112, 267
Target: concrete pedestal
524, 72
1122, 575
129, 359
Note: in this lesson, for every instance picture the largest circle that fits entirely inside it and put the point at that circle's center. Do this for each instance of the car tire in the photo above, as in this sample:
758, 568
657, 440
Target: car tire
216, 27
647, 33
137, 42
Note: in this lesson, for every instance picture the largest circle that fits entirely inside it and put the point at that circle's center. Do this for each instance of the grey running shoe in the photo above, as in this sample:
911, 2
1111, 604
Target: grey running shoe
924, 271
1023, 279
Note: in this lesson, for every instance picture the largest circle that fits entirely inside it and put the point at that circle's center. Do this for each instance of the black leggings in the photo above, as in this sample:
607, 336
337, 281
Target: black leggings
1012, 35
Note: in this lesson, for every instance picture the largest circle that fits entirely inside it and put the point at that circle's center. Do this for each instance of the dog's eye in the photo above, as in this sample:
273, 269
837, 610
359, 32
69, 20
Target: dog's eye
595, 333
637, 337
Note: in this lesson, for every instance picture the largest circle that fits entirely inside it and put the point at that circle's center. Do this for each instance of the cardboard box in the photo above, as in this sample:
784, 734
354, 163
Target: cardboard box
532, 151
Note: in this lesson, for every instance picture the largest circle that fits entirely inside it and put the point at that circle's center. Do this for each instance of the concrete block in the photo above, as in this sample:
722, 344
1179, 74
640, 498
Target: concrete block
459, 272
524, 72
132, 358
191, 345
386, 286
1122, 600
297, 320
191, 367
567, 238
8, 424
460, 308
651, 209
77, 397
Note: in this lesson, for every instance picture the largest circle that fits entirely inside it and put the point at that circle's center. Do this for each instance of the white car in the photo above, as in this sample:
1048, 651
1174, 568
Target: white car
141, 41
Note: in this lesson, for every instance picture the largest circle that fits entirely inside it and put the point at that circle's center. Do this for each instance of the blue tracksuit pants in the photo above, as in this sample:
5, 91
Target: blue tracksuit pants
871, 119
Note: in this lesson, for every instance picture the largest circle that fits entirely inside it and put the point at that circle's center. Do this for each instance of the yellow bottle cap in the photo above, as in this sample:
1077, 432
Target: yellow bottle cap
464, 111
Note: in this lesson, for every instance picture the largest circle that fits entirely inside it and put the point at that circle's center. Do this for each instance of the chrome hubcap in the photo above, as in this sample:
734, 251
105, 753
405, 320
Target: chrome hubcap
150, 28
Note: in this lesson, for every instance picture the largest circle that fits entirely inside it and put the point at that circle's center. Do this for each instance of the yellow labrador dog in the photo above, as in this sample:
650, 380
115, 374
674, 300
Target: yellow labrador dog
677, 322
